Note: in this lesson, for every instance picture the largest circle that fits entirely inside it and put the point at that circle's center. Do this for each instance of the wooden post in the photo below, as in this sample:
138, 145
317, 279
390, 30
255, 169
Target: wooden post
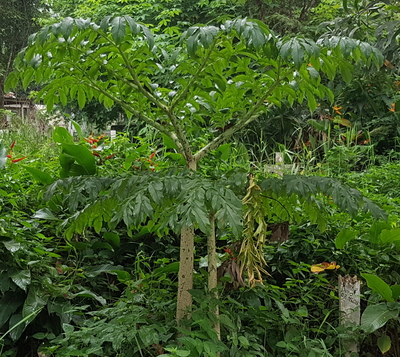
349, 309
279, 163
279, 158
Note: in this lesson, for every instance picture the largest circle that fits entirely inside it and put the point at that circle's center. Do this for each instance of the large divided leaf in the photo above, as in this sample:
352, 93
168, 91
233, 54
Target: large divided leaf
309, 188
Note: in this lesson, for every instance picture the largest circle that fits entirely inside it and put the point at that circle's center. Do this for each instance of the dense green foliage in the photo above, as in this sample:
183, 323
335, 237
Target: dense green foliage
102, 238
124, 280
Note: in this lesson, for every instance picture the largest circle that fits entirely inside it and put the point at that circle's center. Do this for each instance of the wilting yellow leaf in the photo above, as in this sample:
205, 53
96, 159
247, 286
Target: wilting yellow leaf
318, 268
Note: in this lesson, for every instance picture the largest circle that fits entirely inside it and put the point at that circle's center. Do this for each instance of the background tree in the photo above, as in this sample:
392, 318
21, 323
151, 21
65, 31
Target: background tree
17, 22
281, 16
159, 14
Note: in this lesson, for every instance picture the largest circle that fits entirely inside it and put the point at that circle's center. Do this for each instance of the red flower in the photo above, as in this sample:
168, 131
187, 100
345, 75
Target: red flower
16, 160
96, 154
110, 156
152, 155
229, 251
12, 145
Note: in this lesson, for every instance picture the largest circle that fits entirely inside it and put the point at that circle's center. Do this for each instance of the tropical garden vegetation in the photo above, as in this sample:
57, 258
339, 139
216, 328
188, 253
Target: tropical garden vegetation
255, 169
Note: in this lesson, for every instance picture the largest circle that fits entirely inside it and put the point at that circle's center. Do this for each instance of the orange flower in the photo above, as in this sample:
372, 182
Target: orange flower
337, 110
152, 155
388, 64
393, 108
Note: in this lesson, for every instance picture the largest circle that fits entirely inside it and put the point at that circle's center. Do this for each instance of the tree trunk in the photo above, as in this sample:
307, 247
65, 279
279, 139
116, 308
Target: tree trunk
185, 274
186, 265
212, 272
3, 119
1, 94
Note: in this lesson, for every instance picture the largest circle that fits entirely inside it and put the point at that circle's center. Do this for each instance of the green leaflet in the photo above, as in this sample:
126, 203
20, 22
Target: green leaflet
379, 286
297, 53
83, 156
21, 278
118, 29
62, 136
344, 236
35, 301
46, 214
66, 27
389, 236
90, 294
384, 343
9, 303
40, 176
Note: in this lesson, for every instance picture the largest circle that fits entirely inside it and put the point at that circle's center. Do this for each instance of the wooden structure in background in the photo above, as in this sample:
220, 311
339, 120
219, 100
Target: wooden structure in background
23, 107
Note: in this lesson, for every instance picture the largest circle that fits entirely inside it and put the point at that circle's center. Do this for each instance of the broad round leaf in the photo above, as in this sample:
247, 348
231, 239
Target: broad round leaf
376, 316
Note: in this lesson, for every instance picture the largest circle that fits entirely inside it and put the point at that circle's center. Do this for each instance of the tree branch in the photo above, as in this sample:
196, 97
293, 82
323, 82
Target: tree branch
184, 144
135, 79
247, 119
178, 137
182, 95
138, 114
